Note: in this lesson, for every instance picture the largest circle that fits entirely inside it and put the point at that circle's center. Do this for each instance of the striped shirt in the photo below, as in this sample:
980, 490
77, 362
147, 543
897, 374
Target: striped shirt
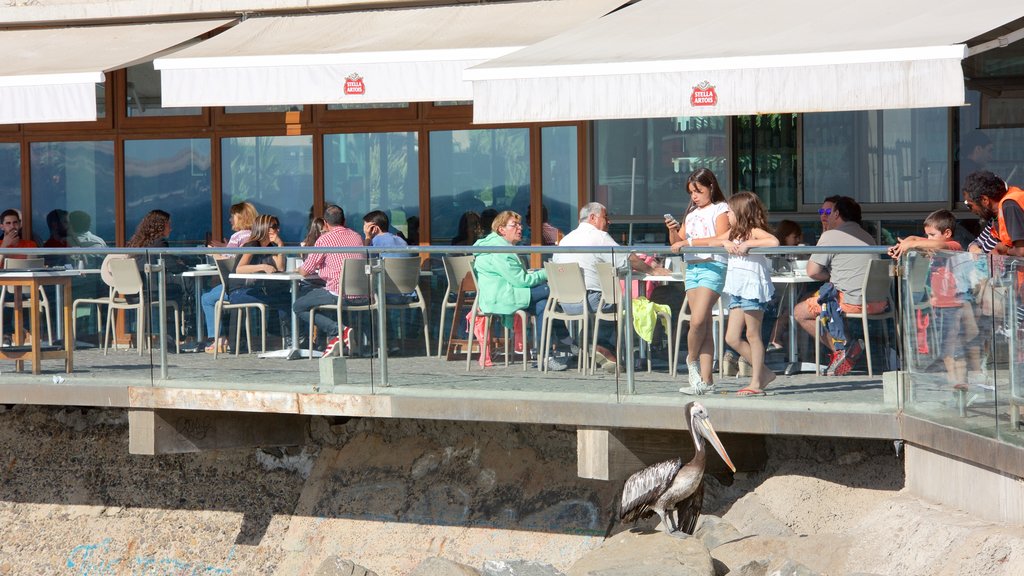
328, 264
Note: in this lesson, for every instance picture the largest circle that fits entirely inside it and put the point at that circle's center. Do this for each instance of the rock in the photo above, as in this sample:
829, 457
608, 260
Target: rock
334, 566
438, 566
824, 553
791, 568
713, 532
752, 568
518, 568
750, 516
646, 554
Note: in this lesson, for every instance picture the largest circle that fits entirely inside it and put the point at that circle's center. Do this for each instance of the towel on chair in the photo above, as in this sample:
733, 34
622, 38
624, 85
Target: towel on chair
646, 315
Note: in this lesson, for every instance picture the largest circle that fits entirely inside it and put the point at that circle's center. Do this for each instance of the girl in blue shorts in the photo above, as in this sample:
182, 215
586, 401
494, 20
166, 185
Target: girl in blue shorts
705, 222
749, 283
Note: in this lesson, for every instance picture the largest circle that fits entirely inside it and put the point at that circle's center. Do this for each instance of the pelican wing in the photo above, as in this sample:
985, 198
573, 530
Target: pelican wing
688, 509
644, 487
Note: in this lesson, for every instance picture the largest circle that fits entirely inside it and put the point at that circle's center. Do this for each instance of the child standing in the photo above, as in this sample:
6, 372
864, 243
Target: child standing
705, 222
950, 295
749, 282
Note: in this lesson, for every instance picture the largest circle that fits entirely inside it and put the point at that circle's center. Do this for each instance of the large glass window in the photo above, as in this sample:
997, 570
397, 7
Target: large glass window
72, 178
10, 175
475, 170
143, 97
275, 173
997, 149
665, 151
877, 157
766, 158
379, 171
560, 176
170, 175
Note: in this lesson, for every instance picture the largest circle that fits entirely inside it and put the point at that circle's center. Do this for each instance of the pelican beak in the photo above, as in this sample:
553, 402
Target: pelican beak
708, 431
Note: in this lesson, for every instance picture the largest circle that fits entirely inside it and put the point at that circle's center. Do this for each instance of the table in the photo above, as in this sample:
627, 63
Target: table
199, 274
790, 281
31, 281
294, 278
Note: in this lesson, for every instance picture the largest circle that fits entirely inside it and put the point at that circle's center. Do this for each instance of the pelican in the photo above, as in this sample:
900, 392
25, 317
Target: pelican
669, 485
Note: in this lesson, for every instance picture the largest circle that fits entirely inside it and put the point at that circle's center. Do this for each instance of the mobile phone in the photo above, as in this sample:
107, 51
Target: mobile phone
669, 218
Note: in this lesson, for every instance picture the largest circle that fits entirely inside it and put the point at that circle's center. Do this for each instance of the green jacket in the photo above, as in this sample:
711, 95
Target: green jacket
503, 285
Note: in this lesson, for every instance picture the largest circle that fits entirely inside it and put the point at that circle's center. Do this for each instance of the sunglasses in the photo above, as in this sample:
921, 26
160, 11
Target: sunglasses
824, 211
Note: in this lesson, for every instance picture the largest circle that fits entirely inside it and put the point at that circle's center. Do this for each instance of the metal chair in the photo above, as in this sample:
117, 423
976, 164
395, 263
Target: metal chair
402, 278
455, 270
876, 288
354, 295
225, 267
130, 294
26, 303
565, 280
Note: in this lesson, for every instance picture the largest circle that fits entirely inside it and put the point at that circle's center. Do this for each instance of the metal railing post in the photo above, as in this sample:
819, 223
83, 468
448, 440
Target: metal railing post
628, 304
162, 310
382, 321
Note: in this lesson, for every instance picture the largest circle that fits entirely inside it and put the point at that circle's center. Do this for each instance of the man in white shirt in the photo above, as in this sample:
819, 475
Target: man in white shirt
593, 232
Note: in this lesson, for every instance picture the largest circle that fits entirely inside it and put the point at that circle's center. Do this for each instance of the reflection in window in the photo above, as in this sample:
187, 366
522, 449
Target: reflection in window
143, 94
472, 170
72, 176
170, 175
560, 178
666, 150
998, 150
766, 157
275, 173
379, 171
10, 175
878, 156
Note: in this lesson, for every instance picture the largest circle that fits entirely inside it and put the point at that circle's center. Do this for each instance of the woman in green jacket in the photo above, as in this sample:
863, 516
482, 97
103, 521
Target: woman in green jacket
503, 284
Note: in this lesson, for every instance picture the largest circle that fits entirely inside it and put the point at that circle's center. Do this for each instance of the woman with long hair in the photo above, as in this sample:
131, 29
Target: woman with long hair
152, 231
706, 220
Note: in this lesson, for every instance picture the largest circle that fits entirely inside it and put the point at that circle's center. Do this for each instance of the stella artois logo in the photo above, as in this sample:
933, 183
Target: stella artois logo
703, 95
354, 85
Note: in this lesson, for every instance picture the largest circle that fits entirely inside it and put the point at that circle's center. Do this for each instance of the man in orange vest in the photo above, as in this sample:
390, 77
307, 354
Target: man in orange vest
1002, 207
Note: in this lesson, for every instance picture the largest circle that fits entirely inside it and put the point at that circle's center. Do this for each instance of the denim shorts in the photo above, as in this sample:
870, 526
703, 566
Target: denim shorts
748, 304
709, 275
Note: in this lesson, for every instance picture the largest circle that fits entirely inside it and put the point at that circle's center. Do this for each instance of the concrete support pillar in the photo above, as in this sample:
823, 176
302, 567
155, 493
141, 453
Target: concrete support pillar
180, 431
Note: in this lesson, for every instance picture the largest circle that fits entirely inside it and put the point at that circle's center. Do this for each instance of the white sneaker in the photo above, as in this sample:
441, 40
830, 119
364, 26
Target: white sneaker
693, 373
700, 389
556, 364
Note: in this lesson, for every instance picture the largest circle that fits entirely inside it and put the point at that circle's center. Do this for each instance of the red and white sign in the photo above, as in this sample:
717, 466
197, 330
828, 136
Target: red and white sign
703, 95
354, 85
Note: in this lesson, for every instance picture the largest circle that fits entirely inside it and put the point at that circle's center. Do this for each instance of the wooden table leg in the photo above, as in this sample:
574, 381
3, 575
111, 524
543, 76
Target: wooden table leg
33, 323
16, 331
69, 330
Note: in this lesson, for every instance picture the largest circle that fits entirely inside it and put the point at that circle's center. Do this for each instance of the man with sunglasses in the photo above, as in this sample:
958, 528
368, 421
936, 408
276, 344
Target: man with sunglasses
827, 206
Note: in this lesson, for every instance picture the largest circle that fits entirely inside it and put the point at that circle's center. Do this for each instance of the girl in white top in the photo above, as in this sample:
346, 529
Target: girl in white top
749, 283
706, 221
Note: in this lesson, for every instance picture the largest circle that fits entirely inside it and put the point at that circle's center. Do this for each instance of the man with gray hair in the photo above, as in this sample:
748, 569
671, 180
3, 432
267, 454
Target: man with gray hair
593, 232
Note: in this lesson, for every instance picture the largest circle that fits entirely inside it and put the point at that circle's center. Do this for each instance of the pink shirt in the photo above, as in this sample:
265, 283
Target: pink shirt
328, 264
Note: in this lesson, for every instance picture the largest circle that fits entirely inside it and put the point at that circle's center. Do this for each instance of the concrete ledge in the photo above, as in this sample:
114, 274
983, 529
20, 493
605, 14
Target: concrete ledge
986, 452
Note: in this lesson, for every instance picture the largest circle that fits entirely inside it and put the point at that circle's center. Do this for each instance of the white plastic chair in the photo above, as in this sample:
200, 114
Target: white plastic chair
225, 267
130, 294
876, 288
26, 303
718, 320
353, 286
98, 302
402, 278
455, 270
565, 281
474, 311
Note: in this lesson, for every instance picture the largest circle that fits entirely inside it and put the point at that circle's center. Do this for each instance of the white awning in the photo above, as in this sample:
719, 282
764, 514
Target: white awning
398, 55
50, 75
661, 58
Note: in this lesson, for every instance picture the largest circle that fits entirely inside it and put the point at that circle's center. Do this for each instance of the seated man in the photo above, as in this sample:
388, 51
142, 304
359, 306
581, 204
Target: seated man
328, 266
593, 231
846, 273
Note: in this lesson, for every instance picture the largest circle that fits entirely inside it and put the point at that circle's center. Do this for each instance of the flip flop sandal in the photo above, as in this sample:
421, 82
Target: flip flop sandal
750, 392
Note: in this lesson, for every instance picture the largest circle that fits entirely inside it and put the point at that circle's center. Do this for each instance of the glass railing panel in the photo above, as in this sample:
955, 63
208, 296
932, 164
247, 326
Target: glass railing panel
1009, 384
956, 353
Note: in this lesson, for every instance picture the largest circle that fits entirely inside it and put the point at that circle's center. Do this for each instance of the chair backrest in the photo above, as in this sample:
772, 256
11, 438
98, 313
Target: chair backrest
125, 277
877, 282
455, 270
565, 281
606, 279
401, 275
23, 263
105, 273
225, 268
354, 280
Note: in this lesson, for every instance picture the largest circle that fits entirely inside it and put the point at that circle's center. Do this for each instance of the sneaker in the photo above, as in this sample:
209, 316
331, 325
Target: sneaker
603, 356
346, 338
331, 345
693, 374
556, 364
838, 357
567, 344
700, 389
731, 365
852, 355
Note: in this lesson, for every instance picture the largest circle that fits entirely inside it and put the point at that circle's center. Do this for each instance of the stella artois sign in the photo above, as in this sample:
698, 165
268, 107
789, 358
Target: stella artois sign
354, 85
703, 95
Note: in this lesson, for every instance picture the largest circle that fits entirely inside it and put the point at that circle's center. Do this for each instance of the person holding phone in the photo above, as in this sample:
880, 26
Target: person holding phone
706, 223
11, 222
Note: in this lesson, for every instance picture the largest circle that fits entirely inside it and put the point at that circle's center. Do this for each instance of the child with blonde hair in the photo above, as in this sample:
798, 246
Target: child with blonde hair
749, 282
